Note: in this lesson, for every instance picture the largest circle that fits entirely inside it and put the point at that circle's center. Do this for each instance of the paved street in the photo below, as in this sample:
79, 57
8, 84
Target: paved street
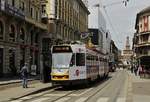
114, 89
121, 86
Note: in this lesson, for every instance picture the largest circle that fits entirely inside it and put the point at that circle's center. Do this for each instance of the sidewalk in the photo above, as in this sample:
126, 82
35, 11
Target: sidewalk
12, 89
17, 79
140, 88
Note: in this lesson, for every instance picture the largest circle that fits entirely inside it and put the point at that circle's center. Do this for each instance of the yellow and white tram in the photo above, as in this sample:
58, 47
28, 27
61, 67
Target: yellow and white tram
76, 64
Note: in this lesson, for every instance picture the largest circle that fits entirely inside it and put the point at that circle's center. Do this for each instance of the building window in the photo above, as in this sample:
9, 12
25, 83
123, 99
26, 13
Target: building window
106, 35
22, 6
43, 8
31, 12
1, 30
13, 2
22, 35
31, 38
36, 38
12, 33
37, 16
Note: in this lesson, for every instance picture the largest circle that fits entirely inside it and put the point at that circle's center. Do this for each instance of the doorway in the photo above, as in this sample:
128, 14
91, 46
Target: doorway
1, 62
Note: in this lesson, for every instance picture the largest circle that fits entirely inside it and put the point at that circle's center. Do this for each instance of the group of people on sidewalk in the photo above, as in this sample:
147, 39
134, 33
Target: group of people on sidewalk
137, 70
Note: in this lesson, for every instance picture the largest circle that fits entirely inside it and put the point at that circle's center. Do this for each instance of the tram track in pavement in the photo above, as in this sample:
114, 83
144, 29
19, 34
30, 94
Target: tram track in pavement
115, 94
102, 84
51, 91
118, 92
97, 85
107, 84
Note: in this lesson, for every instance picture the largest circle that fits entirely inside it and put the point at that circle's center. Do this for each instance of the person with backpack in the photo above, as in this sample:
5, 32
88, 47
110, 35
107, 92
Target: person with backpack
24, 74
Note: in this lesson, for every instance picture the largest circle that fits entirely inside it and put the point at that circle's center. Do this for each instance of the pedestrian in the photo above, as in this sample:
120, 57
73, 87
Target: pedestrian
140, 69
132, 67
135, 70
24, 74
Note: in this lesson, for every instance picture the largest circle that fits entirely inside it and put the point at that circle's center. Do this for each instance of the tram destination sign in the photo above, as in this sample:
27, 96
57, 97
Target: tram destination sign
61, 49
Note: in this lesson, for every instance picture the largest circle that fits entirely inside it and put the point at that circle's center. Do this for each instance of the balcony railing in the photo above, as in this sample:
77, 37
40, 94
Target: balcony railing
142, 55
44, 16
141, 44
14, 11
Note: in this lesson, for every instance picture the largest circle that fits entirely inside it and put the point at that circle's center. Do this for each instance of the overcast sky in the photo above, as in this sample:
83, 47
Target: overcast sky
122, 18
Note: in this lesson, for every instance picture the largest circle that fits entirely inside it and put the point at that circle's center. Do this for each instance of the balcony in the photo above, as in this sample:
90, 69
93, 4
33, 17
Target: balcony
11, 10
143, 33
37, 24
142, 44
143, 55
44, 16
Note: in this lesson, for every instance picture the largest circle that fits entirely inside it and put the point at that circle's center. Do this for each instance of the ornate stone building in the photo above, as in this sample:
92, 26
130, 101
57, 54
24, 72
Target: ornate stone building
66, 18
21, 33
141, 40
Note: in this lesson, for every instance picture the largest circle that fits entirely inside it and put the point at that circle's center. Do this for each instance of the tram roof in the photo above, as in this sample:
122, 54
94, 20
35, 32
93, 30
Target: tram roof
83, 46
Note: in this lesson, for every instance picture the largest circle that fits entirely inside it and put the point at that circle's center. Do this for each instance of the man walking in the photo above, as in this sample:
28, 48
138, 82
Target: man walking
24, 74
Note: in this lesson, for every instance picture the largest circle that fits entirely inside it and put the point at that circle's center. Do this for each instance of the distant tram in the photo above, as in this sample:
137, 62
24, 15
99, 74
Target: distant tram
72, 64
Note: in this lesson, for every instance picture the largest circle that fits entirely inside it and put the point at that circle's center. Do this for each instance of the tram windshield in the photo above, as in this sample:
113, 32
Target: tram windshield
62, 60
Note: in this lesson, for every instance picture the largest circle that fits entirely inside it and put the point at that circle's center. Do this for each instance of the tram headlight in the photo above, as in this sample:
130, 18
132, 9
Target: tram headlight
67, 72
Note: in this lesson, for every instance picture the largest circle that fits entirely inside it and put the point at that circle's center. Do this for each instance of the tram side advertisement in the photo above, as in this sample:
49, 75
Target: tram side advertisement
77, 73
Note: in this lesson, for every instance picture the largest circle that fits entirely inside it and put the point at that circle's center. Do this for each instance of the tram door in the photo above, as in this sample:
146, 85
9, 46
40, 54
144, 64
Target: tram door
1, 62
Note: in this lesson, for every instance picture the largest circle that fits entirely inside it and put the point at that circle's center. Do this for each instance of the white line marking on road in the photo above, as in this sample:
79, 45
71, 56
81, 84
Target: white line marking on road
26, 98
121, 99
40, 99
35, 95
63, 99
103, 99
54, 94
81, 93
17, 101
82, 99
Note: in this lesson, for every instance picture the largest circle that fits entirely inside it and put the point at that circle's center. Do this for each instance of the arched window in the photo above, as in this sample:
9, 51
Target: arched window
22, 35
1, 30
12, 32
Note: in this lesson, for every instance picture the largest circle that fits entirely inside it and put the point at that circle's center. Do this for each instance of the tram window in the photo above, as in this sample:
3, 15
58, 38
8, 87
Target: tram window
72, 62
80, 59
88, 57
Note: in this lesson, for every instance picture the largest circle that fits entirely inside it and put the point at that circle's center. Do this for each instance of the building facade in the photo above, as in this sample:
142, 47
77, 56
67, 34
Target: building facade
21, 33
98, 22
66, 19
141, 40
114, 54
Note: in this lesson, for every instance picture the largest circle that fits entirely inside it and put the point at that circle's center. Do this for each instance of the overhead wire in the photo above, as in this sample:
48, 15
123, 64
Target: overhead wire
109, 20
